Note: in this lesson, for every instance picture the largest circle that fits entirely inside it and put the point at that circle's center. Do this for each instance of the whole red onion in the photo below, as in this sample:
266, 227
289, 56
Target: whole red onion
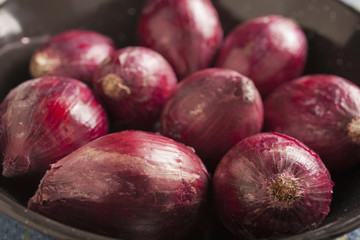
43, 119
74, 53
211, 110
130, 185
270, 184
133, 85
187, 33
322, 111
269, 49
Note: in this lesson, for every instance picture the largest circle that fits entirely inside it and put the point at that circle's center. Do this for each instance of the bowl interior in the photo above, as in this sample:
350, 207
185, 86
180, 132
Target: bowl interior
332, 29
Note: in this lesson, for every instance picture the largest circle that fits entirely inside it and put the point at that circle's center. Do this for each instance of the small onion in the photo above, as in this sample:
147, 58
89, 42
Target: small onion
211, 110
43, 119
187, 33
74, 53
130, 185
322, 111
270, 184
133, 85
269, 49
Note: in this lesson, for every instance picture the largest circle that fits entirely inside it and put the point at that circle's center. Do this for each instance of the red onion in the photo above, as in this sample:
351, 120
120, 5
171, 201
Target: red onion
270, 184
130, 185
322, 111
44, 119
133, 85
270, 50
211, 111
74, 53
187, 33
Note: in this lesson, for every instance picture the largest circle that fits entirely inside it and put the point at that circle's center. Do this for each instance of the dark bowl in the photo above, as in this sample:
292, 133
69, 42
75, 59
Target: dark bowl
332, 29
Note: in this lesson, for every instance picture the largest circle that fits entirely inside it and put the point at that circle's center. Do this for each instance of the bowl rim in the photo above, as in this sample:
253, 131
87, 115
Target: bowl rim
43, 224
55, 229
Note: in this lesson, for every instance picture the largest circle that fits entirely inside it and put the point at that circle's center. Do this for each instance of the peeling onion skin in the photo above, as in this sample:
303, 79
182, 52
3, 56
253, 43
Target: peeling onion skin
44, 119
187, 33
130, 185
133, 85
270, 184
211, 110
73, 53
319, 110
269, 49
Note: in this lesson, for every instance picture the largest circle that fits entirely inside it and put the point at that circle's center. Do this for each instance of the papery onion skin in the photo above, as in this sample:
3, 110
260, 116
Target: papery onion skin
211, 110
133, 85
73, 53
269, 49
187, 33
322, 111
44, 119
270, 184
130, 185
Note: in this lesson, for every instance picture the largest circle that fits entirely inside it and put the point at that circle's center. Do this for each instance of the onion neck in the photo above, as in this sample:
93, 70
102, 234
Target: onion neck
113, 86
353, 129
14, 166
42, 64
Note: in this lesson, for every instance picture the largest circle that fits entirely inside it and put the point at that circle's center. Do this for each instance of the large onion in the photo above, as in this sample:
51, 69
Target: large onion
322, 111
187, 33
73, 53
211, 110
130, 185
133, 85
44, 119
269, 49
270, 184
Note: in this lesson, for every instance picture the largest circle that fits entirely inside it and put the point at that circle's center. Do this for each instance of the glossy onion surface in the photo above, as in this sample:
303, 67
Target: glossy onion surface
44, 119
270, 50
211, 111
322, 111
270, 184
133, 85
130, 184
74, 53
187, 33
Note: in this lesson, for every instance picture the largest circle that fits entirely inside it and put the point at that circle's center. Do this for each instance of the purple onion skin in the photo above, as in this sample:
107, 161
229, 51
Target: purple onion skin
134, 85
211, 110
187, 33
44, 119
130, 185
74, 53
269, 49
270, 184
322, 111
